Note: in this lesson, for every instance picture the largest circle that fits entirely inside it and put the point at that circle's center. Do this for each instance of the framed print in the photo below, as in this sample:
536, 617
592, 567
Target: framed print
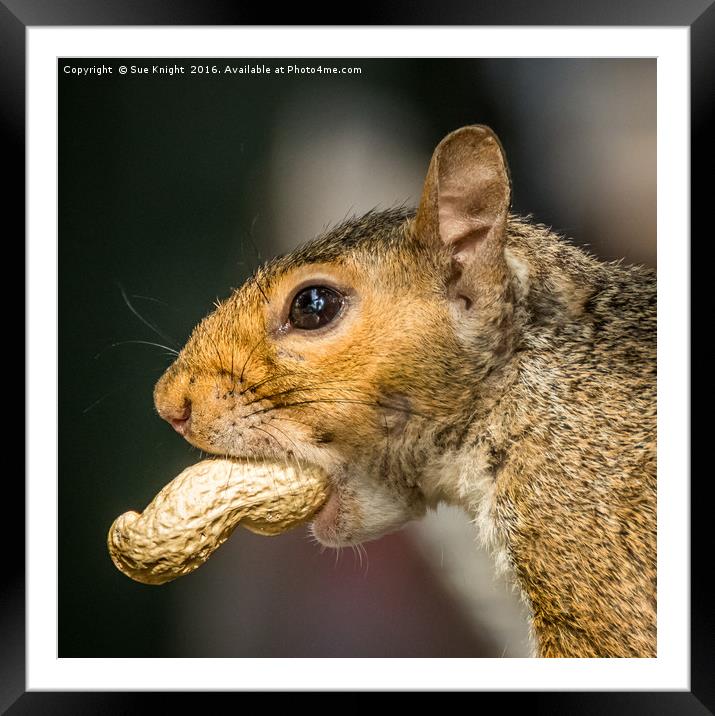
167, 164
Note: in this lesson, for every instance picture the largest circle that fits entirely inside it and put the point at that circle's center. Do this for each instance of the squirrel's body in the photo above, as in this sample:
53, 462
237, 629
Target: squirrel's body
455, 354
560, 472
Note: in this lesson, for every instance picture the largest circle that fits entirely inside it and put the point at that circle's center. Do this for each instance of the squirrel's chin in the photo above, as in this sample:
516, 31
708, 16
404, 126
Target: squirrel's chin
336, 524
346, 520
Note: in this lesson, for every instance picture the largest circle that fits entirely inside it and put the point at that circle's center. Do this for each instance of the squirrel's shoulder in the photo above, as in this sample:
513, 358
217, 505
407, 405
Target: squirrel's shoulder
553, 271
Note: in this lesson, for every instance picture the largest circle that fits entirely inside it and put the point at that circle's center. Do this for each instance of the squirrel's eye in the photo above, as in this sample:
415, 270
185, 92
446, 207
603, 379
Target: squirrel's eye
315, 306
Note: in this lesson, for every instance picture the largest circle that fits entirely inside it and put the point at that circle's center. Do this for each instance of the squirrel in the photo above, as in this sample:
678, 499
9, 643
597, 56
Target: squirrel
455, 353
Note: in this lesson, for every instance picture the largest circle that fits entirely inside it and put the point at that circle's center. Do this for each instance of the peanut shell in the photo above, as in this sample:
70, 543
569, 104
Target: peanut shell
193, 515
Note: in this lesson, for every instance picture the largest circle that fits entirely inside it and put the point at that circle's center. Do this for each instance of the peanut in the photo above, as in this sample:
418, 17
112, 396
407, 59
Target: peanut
192, 516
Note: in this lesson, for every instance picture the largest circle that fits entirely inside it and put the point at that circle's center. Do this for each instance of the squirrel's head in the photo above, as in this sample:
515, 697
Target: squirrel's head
364, 351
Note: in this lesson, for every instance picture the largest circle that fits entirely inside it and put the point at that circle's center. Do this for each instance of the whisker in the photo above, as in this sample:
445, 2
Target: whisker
291, 488
249, 235
146, 322
97, 402
362, 547
260, 288
132, 380
263, 382
306, 388
258, 257
272, 437
374, 404
275, 439
171, 351
275, 427
230, 472
290, 420
240, 380
150, 298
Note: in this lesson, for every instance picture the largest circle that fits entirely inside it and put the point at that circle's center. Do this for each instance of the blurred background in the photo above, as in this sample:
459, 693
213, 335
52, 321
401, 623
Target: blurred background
172, 189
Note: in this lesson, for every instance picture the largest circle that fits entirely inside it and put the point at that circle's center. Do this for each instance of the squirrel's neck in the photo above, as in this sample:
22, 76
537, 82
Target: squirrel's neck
558, 469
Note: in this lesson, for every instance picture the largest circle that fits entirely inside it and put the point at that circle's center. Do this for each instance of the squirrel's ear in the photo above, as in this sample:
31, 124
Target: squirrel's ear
466, 196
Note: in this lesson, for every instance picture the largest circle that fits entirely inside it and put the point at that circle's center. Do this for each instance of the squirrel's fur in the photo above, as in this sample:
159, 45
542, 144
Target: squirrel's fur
512, 373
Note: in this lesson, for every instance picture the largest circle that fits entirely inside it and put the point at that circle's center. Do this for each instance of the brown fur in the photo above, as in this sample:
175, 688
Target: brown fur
480, 360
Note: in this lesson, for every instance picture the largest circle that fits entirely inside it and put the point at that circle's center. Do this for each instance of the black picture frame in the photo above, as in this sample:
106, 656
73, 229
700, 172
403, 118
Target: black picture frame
17, 15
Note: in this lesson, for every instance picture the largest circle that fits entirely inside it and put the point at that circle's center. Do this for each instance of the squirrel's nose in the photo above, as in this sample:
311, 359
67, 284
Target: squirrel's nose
173, 400
179, 419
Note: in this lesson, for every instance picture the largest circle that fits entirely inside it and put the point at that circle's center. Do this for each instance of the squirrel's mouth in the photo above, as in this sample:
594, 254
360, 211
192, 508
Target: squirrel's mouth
328, 513
324, 524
